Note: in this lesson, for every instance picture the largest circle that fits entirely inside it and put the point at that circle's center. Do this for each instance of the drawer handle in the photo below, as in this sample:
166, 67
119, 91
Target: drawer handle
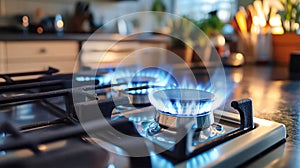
43, 50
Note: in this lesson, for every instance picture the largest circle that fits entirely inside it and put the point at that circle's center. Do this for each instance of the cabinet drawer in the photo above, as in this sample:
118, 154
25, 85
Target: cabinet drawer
63, 66
25, 56
109, 46
2, 57
93, 54
36, 51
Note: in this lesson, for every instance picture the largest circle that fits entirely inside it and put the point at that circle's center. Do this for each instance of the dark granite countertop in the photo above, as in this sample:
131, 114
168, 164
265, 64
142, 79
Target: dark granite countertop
146, 37
276, 96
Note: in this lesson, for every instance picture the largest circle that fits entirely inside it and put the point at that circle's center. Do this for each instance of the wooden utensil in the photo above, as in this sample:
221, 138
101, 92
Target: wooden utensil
241, 21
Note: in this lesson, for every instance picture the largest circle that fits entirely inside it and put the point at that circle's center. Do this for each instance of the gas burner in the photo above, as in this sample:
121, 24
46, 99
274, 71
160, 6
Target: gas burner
138, 81
182, 102
190, 108
138, 98
139, 88
99, 80
172, 121
138, 84
181, 129
176, 107
135, 78
91, 77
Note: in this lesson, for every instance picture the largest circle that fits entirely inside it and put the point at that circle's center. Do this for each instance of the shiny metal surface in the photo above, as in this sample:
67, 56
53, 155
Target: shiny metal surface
139, 98
238, 150
234, 152
172, 121
25, 114
276, 96
182, 102
235, 59
185, 109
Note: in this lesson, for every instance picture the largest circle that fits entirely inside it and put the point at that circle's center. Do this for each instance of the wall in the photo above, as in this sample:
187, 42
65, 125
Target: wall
199, 9
106, 10
101, 9
2, 57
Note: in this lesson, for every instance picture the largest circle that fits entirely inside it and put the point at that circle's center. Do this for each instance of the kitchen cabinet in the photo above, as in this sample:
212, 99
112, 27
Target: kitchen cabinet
2, 57
20, 53
20, 56
104, 54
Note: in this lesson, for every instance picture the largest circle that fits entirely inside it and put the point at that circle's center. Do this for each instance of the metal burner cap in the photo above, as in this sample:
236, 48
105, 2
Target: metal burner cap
171, 121
182, 102
142, 79
139, 95
139, 99
184, 95
137, 80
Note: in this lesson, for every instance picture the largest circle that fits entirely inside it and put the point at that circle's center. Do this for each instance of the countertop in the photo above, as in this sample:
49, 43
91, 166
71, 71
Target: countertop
145, 37
276, 96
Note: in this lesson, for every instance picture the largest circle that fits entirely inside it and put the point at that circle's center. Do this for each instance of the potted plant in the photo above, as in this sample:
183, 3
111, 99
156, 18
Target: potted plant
180, 31
159, 8
187, 29
289, 41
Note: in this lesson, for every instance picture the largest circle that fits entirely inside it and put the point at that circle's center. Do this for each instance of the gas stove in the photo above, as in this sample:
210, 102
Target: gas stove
142, 121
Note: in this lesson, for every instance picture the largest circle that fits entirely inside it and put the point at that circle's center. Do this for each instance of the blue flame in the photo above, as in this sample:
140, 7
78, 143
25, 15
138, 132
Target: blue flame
159, 161
152, 77
203, 159
182, 101
189, 109
103, 80
142, 91
176, 107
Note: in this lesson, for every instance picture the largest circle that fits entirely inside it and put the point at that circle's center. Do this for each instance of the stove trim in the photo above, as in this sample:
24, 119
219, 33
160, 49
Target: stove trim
264, 136
182, 151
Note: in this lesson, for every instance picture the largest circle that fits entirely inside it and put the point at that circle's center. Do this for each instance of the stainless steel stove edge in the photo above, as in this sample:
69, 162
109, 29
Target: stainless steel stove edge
242, 148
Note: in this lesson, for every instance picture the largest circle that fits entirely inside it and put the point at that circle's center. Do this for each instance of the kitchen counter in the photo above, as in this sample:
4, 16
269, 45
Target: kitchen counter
276, 96
146, 37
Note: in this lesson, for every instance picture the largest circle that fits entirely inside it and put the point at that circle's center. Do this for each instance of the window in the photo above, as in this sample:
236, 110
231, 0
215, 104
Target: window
199, 9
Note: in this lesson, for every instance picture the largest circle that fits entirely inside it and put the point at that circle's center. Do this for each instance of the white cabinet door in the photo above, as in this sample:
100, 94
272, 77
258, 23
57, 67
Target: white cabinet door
39, 55
102, 54
2, 57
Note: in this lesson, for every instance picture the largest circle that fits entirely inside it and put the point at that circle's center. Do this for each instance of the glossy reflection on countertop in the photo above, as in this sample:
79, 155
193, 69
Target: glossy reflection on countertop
275, 97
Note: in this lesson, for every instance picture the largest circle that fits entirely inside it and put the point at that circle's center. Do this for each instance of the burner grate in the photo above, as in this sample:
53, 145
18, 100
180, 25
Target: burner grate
184, 146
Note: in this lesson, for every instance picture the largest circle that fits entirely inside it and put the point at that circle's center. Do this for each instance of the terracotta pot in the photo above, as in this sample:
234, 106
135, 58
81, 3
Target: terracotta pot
283, 46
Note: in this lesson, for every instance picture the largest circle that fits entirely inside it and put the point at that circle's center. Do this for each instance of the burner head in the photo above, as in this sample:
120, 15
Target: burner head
142, 81
172, 121
139, 89
137, 81
139, 95
176, 107
137, 84
97, 77
138, 98
182, 102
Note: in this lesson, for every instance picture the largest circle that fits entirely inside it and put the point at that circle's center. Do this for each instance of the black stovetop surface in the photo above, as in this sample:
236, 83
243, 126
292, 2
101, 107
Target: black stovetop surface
275, 97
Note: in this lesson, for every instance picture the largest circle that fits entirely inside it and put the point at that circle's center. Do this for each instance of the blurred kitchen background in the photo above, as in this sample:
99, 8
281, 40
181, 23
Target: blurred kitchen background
103, 11
250, 31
